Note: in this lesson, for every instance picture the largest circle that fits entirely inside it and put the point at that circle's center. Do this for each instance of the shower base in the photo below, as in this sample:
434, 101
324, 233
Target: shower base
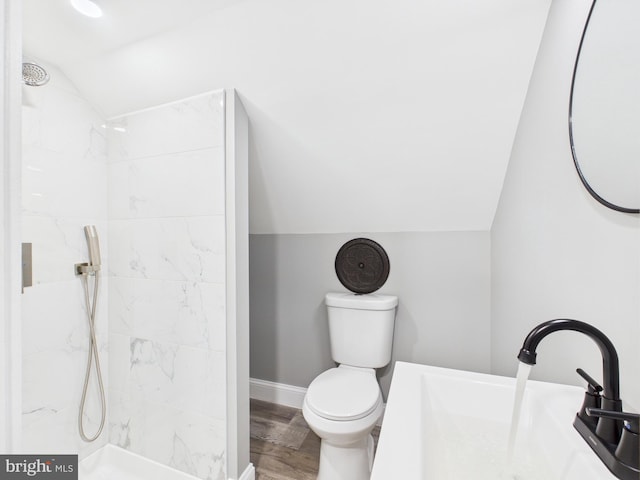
111, 462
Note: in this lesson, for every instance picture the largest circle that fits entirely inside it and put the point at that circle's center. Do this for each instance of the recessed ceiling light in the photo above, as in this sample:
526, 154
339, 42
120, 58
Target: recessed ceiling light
87, 7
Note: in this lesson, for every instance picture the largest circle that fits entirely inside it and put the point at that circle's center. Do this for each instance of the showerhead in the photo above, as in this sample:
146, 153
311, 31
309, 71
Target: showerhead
34, 75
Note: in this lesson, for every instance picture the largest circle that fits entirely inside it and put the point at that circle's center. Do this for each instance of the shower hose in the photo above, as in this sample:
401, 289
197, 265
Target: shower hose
93, 354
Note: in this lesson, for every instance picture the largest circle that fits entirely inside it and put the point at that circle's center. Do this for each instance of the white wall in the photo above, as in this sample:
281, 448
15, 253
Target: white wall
167, 327
373, 115
64, 187
442, 280
556, 252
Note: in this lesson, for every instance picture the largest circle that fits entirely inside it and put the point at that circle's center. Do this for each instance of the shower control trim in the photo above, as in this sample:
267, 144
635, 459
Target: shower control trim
27, 266
86, 269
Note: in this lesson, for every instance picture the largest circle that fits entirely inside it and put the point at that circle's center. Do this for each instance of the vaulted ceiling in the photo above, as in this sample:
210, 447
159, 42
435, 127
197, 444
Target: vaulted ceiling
366, 115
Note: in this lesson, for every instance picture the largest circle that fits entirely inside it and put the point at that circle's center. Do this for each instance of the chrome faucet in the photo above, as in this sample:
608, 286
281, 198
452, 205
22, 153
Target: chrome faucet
610, 432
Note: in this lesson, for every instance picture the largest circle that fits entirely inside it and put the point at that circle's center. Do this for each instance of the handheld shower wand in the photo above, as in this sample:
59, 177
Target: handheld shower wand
94, 245
85, 270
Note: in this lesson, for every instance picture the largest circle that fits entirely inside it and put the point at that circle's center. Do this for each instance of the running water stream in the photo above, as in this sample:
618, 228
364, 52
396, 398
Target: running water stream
521, 381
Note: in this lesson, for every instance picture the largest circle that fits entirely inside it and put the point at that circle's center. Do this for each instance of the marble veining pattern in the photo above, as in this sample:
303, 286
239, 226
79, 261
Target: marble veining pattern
176, 248
142, 193
191, 124
167, 293
64, 187
188, 313
153, 183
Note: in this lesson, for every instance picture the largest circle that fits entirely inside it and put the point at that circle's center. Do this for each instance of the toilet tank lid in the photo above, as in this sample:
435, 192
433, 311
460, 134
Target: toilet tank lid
369, 301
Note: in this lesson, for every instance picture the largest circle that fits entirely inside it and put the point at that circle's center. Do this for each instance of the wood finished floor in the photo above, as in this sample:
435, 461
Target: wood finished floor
282, 445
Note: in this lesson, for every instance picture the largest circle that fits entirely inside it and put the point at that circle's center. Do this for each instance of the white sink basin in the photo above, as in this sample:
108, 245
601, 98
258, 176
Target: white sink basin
443, 424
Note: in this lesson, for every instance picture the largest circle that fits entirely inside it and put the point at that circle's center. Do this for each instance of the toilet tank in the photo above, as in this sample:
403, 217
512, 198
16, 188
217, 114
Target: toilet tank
361, 328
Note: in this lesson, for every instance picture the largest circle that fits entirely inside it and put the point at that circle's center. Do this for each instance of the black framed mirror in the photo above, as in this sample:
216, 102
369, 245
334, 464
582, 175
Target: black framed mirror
604, 106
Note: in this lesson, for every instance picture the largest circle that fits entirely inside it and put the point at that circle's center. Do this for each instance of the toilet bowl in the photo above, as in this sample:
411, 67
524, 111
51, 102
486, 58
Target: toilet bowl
342, 406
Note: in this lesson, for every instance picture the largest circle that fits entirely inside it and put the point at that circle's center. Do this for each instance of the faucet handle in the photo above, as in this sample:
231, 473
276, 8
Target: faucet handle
628, 446
632, 420
592, 399
593, 386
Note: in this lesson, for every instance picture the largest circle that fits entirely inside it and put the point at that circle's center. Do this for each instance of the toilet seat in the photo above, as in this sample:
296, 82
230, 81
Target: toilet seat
344, 394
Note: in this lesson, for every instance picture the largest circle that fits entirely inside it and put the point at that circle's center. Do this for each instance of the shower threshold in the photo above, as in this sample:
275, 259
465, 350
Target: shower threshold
111, 462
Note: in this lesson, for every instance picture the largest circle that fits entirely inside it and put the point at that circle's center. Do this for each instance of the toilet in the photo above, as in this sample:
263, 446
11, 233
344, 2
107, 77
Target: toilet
343, 404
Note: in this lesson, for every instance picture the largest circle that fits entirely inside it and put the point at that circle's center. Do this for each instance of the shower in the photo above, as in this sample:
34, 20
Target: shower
163, 309
34, 75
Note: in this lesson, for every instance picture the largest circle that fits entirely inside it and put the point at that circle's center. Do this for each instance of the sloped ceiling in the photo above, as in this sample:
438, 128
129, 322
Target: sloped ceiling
366, 115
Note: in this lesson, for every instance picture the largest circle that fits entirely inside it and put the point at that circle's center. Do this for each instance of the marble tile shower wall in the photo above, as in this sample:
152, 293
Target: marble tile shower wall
166, 286
64, 188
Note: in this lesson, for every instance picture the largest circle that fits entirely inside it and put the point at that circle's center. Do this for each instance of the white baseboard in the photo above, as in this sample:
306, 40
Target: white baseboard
282, 394
288, 395
249, 473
